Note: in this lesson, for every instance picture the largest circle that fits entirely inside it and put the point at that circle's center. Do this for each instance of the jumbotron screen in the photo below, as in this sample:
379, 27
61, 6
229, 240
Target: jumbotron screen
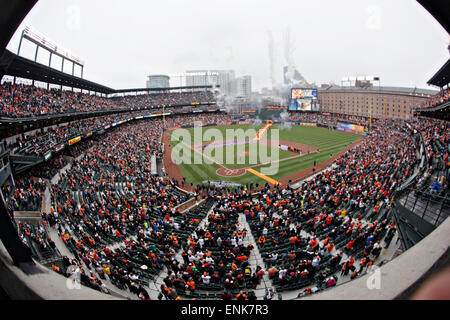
300, 105
298, 93
302, 100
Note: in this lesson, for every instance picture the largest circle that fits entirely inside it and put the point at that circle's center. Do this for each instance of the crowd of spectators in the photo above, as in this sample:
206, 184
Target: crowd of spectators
41, 141
49, 168
436, 137
76, 150
328, 119
27, 194
122, 225
190, 120
168, 99
110, 196
442, 97
22, 101
37, 238
338, 218
216, 258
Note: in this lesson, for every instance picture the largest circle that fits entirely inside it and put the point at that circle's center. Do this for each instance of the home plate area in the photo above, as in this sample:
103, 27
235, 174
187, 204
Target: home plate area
230, 172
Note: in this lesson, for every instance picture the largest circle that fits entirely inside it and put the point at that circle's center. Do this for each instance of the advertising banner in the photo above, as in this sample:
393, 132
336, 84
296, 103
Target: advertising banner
222, 184
308, 124
74, 140
59, 148
47, 155
348, 126
290, 123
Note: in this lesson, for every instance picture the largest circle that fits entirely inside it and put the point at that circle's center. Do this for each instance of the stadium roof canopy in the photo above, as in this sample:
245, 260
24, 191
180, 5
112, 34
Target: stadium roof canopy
439, 10
12, 14
16, 66
442, 77
161, 89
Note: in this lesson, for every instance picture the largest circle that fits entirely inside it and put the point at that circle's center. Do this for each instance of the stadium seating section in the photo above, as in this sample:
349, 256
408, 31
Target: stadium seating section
122, 226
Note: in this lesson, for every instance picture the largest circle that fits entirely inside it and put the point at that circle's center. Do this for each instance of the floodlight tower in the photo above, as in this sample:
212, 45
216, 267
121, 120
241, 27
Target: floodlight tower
42, 42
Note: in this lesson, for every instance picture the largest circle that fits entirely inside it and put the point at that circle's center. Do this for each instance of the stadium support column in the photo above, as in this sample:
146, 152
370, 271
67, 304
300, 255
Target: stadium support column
62, 67
49, 65
73, 71
18, 52
164, 117
10, 239
35, 57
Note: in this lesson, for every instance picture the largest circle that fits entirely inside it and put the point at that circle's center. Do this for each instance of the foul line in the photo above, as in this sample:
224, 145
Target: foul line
204, 155
249, 169
268, 179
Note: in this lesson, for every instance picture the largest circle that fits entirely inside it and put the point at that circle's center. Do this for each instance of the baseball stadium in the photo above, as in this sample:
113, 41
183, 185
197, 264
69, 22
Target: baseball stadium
328, 192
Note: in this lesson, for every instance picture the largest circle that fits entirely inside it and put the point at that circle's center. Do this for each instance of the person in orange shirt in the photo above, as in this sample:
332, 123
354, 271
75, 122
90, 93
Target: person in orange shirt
261, 241
377, 208
293, 240
330, 247
272, 271
190, 285
241, 296
292, 255
313, 243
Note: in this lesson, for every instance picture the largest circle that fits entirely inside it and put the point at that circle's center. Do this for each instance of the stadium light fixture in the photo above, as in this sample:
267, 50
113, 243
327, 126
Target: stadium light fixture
40, 40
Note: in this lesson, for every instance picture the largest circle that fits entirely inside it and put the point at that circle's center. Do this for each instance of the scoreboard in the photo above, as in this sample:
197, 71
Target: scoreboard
303, 100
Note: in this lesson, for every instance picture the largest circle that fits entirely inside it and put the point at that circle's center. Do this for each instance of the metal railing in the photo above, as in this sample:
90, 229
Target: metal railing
431, 208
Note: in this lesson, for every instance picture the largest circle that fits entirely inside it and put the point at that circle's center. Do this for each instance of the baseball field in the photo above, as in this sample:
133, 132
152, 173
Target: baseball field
245, 154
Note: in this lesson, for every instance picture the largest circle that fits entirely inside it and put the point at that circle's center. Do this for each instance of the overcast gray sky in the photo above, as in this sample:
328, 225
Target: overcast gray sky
122, 42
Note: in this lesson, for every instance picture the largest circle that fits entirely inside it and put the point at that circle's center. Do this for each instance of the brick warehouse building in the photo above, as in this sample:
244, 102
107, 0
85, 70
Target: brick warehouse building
381, 102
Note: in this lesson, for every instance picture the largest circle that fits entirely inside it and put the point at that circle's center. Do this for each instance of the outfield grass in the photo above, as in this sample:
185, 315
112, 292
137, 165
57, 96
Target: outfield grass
327, 141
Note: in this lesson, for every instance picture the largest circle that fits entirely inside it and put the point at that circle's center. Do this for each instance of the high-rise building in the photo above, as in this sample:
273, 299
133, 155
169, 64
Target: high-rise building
244, 87
225, 79
158, 81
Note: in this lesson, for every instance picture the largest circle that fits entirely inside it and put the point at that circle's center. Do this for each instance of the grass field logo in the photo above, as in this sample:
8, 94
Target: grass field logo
231, 150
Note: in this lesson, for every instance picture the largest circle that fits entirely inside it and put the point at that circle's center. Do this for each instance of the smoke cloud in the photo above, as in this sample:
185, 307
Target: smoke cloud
271, 48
